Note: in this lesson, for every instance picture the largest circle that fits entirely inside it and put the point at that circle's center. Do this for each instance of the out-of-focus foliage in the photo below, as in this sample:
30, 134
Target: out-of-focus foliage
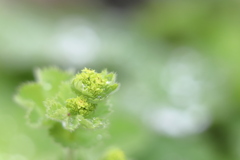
177, 62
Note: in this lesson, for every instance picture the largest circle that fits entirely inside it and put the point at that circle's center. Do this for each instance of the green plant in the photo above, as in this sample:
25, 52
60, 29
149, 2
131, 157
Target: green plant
74, 108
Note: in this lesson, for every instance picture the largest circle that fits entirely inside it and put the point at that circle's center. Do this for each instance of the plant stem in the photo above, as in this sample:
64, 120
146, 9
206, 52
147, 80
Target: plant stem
70, 154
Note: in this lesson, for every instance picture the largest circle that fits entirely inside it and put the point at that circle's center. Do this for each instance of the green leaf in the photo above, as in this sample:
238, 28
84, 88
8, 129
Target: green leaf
102, 110
51, 78
71, 123
63, 136
65, 92
34, 117
78, 138
94, 123
30, 95
55, 110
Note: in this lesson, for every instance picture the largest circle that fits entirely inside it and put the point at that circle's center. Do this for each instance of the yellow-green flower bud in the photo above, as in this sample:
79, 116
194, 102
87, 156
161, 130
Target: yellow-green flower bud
114, 154
80, 106
96, 86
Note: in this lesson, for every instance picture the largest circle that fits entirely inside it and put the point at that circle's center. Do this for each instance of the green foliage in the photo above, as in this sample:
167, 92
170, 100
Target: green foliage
69, 105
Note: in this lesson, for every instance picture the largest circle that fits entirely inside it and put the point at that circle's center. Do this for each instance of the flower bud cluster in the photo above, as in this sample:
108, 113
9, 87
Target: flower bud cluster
91, 88
80, 105
96, 86
115, 154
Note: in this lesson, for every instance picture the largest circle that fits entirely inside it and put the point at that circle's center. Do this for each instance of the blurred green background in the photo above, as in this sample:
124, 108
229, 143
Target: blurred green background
178, 63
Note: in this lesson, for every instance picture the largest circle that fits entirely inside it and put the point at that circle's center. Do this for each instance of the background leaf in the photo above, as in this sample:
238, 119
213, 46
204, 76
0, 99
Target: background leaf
51, 79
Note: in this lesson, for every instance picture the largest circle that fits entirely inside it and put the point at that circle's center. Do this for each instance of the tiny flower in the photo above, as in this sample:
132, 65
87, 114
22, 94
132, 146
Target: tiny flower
80, 105
114, 154
97, 86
